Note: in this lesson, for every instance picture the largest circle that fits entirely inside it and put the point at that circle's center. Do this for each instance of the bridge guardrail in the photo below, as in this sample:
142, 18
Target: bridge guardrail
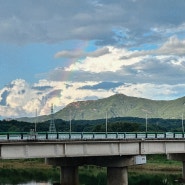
89, 135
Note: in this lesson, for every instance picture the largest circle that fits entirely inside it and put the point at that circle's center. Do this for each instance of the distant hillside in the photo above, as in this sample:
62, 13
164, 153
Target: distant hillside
118, 105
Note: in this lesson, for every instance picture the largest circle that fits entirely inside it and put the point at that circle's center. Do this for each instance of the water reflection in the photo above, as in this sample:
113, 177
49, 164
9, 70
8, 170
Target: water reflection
134, 178
35, 183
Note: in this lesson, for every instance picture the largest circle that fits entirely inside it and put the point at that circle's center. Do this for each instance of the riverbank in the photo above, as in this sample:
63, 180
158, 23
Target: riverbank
24, 164
154, 163
24, 170
158, 163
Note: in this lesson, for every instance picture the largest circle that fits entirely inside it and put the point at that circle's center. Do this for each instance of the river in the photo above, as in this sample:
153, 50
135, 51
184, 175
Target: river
37, 183
33, 183
134, 179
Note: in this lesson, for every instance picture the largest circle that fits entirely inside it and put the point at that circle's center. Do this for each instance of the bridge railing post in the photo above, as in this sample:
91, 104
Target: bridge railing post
21, 135
117, 135
136, 135
155, 135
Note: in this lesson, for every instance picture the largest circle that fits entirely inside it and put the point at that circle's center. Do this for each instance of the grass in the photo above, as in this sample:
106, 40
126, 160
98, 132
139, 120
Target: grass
37, 169
24, 164
158, 163
154, 163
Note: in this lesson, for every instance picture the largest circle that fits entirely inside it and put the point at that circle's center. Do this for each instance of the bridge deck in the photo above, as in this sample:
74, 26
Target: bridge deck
44, 147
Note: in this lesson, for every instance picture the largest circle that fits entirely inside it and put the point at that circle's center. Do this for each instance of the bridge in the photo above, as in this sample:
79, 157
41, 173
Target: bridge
116, 151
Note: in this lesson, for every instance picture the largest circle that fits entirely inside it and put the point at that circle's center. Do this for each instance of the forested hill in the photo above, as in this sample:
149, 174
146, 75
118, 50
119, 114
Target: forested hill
118, 105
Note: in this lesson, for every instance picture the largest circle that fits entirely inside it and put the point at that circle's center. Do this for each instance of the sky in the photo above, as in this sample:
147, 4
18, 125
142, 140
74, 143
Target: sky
62, 51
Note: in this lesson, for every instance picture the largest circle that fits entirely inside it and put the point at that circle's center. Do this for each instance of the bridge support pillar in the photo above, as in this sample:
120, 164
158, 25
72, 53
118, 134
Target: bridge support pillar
69, 175
117, 175
183, 170
179, 157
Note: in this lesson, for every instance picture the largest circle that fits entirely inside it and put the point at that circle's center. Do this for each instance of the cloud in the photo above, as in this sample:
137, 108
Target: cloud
147, 90
137, 68
62, 93
173, 46
81, 53
110, 61
57, 21
3, 97
103, 85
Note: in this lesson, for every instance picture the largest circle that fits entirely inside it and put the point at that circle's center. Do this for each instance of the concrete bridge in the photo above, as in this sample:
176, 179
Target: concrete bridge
105, 149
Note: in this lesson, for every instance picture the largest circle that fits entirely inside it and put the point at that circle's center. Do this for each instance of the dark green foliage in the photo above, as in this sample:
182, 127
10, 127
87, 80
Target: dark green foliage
15, 176
151, 179
91, 175
125, 124
88, 175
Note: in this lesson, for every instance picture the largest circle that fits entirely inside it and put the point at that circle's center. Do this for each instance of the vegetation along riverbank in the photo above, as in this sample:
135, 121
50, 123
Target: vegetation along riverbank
24, 170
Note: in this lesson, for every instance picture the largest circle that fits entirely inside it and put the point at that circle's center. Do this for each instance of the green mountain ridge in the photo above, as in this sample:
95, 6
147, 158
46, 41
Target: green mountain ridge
118, 105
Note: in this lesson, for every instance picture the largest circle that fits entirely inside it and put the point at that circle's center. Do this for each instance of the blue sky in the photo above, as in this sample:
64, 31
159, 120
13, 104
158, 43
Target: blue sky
58, 51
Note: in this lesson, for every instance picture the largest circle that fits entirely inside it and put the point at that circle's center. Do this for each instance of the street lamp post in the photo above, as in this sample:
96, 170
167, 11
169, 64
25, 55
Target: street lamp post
146, 118
183, 118
106, 124
146, 122
182, 123
36, 120
70, 121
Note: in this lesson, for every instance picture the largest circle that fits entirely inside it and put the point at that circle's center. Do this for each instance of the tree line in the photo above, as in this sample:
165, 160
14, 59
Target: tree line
126, 124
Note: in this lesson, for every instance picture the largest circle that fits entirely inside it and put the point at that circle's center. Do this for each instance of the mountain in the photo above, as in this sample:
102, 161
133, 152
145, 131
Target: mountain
118, 105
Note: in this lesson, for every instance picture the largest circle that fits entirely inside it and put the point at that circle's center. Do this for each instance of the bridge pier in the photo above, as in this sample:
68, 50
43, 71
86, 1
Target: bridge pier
117, 175
183, 169
179, 157
69, 175
117, 172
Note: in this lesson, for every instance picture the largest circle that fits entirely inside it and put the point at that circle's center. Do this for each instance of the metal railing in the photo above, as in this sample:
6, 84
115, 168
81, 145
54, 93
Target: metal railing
89, 135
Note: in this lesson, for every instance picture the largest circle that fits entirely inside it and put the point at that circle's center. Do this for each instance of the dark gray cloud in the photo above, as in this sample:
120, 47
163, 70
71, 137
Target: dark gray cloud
159, 71
81, 54
103, 85
4, 95
24, 21
41, 88
54, 93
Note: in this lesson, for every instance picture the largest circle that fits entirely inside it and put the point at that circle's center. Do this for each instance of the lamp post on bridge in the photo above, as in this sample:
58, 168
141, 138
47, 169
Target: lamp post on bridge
146, 118
70, 121
183, 118
182, 123
36, 120
106, 123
